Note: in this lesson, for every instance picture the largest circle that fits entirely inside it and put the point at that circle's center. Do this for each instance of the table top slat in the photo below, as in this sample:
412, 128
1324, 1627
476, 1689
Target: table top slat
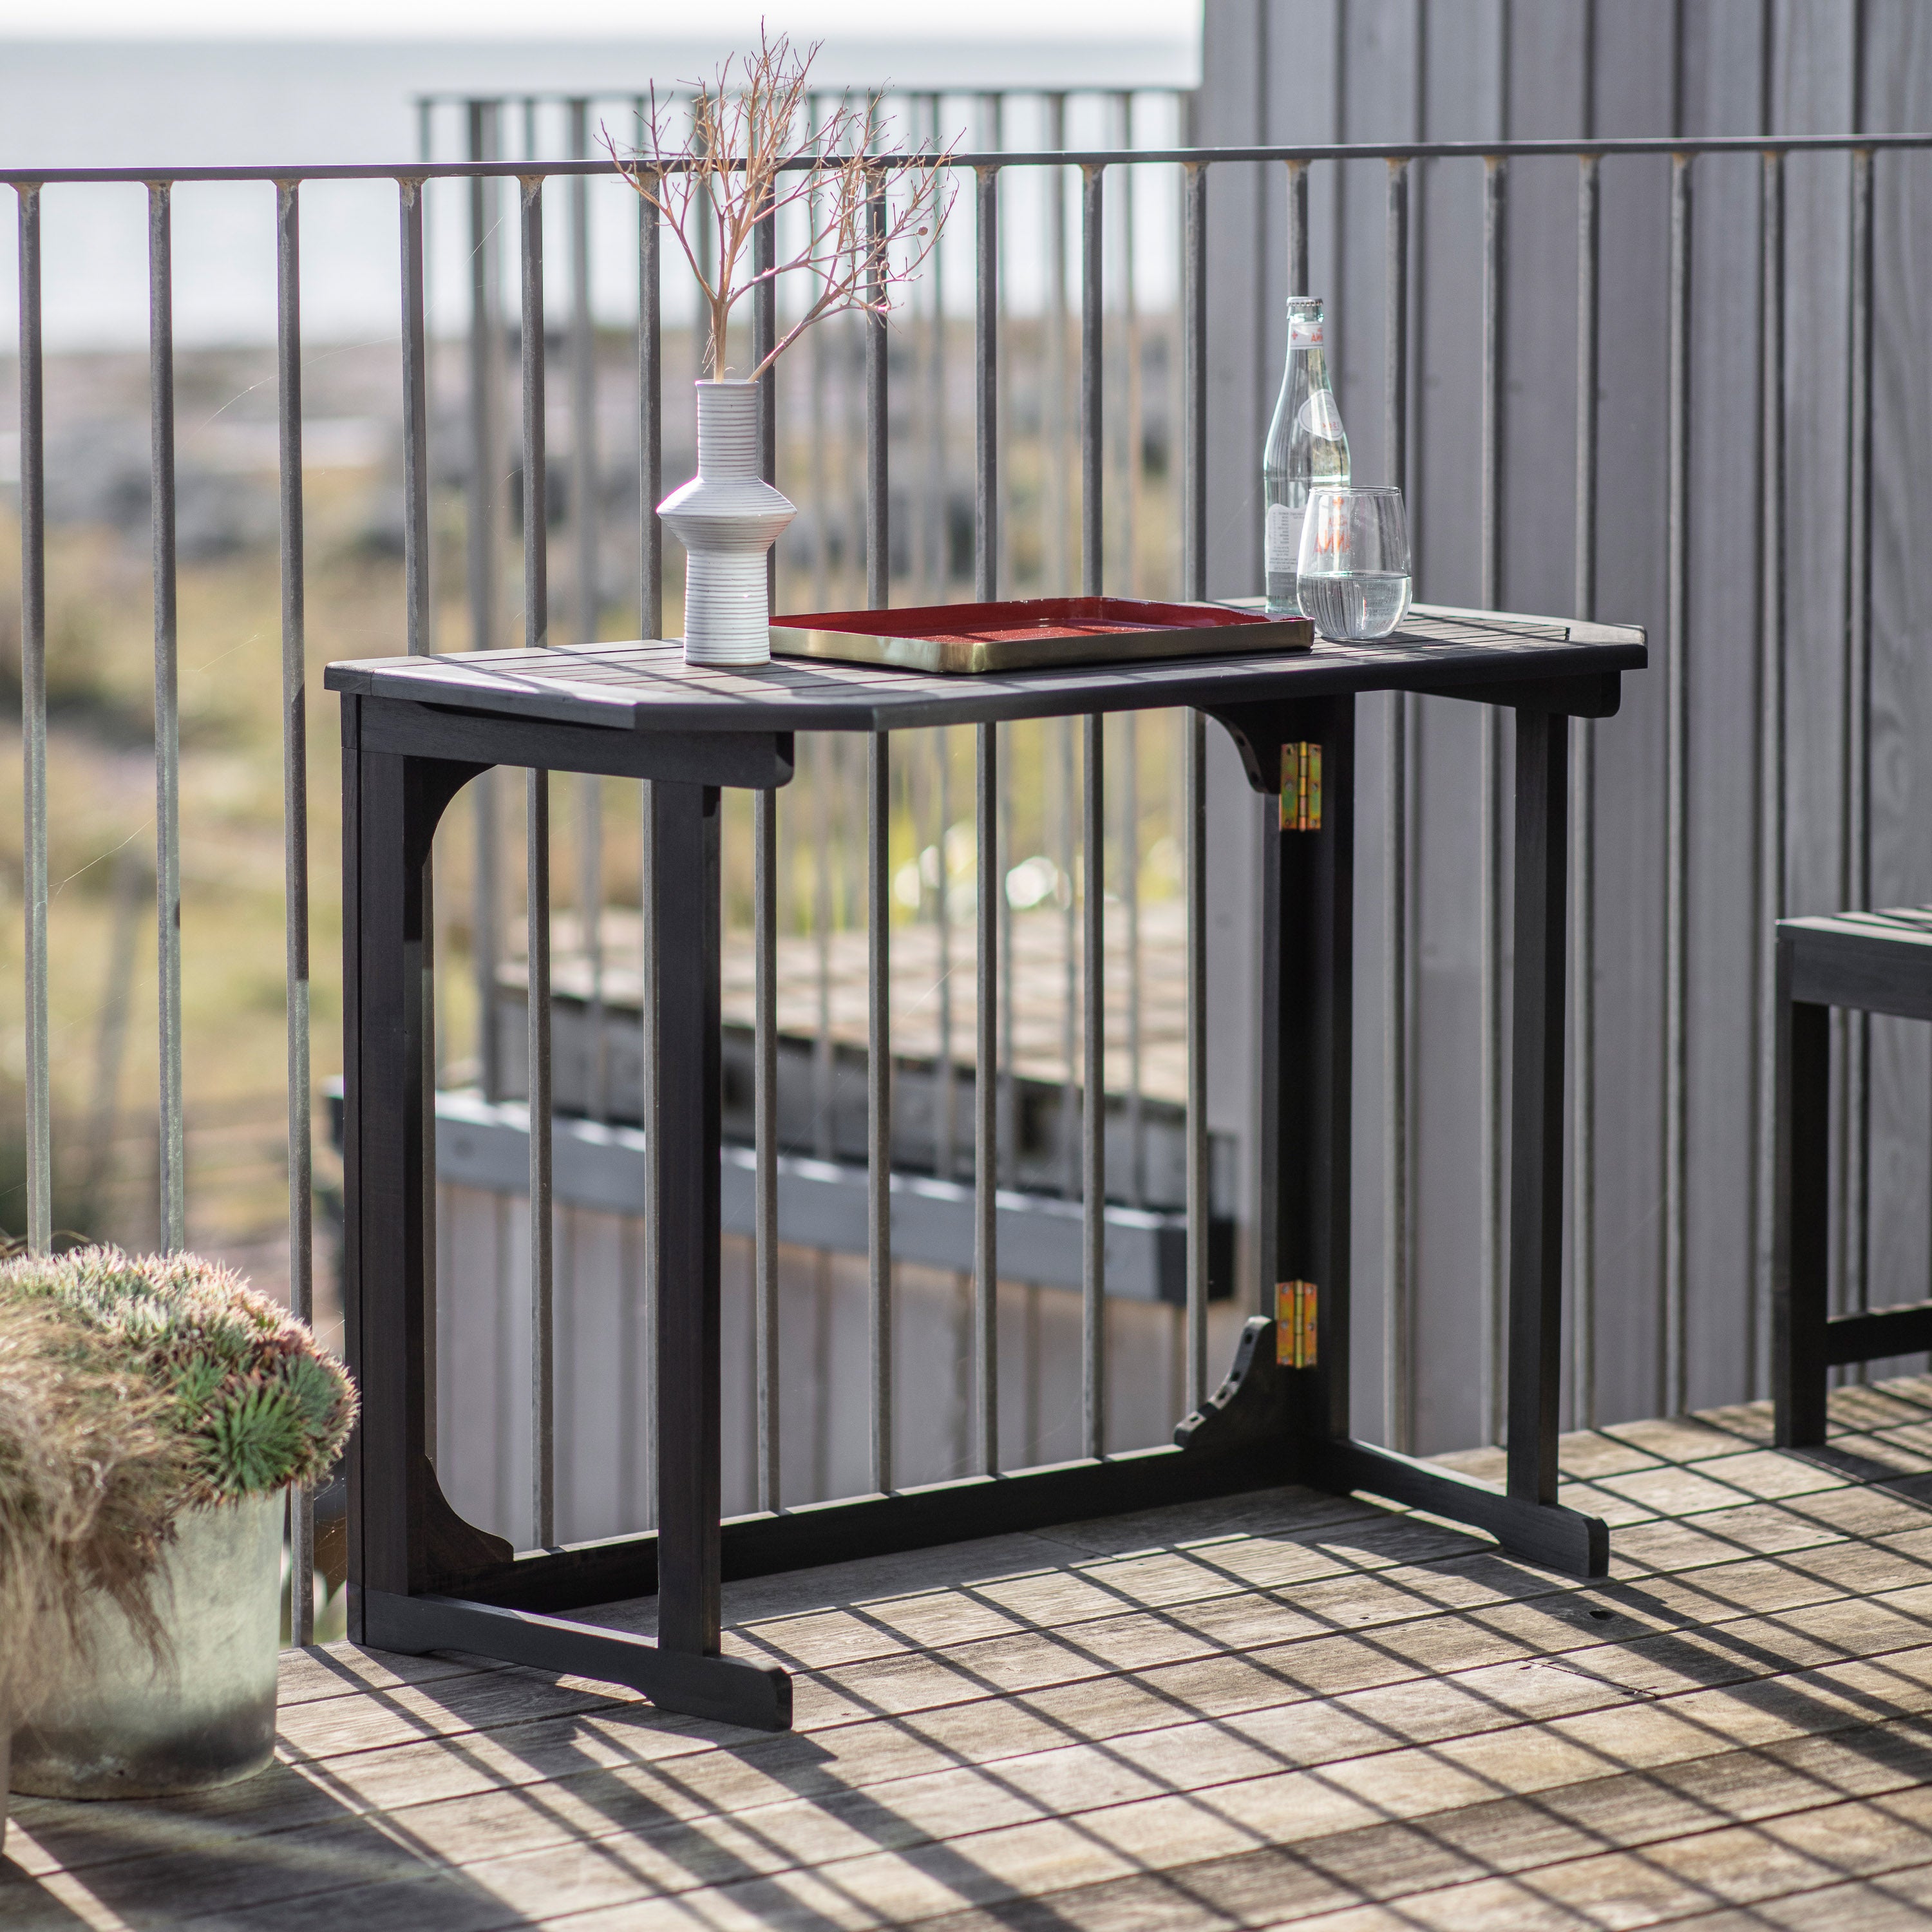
1895, 925
645, 684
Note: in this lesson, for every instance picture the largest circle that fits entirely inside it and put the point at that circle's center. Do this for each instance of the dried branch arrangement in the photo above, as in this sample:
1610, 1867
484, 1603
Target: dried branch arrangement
871, 207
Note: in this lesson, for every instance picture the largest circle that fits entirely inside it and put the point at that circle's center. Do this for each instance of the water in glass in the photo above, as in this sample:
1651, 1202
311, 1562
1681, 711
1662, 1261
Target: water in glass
1353, 567
1364, 604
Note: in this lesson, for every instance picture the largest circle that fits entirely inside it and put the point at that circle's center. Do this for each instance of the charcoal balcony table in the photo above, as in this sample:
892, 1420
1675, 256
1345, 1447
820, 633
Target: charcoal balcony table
415, 731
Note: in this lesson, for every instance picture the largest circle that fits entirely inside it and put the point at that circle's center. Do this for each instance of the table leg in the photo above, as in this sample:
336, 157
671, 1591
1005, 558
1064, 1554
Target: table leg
402, 1534
406, 1545
684, 1134
1305, 1133
1536, 1104
1800, 1214
1307, 1065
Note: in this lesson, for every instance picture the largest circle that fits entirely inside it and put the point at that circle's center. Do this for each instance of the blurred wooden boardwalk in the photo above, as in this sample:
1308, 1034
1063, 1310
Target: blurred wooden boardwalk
1285, 1708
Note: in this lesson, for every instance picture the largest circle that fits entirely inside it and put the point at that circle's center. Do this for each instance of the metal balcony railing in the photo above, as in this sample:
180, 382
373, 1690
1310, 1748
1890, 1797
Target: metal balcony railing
1101, 174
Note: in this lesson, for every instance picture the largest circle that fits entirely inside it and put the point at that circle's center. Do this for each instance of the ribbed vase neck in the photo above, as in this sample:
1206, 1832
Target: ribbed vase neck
728, 431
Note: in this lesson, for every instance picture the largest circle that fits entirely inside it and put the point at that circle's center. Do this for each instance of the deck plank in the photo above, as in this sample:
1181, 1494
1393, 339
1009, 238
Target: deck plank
1286, 1709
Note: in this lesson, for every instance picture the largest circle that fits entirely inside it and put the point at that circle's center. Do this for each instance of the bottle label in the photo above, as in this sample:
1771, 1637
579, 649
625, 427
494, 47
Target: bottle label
1320, 417
1304, 332
1281, 544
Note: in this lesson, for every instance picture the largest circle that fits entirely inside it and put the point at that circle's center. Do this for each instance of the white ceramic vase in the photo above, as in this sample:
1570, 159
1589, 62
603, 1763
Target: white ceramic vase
115, 1724
726, 518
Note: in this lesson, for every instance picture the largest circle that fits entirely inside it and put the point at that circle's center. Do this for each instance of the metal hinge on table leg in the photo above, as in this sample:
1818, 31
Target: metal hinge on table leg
1294, 1333
1301, 787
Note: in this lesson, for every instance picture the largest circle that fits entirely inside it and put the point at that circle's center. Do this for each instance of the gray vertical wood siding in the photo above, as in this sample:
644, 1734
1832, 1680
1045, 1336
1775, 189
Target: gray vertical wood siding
1370, 70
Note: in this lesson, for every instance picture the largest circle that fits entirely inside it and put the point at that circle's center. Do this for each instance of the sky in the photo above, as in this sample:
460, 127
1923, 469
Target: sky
124, 84
473, 20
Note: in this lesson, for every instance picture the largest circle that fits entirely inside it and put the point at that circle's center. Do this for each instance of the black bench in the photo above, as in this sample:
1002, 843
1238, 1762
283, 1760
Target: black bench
1870, 962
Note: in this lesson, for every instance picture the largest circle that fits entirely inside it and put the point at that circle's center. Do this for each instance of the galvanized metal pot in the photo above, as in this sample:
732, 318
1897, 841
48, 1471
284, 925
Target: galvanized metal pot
118, 1725
726, 518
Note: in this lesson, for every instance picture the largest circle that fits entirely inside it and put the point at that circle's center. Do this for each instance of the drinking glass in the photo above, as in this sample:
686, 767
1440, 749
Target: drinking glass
1353, 566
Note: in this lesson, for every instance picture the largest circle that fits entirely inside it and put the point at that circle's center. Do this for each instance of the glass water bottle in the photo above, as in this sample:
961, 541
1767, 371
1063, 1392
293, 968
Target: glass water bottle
1306, 448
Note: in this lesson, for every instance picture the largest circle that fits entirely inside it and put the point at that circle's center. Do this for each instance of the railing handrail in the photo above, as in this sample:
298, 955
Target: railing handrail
997, 158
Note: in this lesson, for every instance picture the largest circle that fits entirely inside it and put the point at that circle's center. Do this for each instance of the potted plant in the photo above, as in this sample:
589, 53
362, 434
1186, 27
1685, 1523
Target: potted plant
847, 212
87, 1472
169, 1684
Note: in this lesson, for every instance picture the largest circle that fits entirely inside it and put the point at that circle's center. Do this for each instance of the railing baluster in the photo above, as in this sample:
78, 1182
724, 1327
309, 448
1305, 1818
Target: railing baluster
820, 748
416, 405
1298, 229
817, 437
1490, 1155
1093, 844
1053, 401
536, 799
1064, 836
1771, 748
650, 420
946, 1161
985, 1103
764, 920
536, 491
987, 520
295, 850
1855, 1218
991, 984
878, 424
584, 518
1008, 990
1128, 891
1583, 833
1399, 1351
879, 1097
985, 385
1670, 1380
1128, 445
33, 727
486, 468
415, 598
642, 1364
1129, 457
765, 1137
995, 107
167, 713
1093, 318
1194, 816
583, 388
878, 865
933, 561
1094, 1085
764, 336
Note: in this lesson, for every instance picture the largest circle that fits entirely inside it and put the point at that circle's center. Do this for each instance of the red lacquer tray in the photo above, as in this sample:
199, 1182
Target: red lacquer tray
1034, 633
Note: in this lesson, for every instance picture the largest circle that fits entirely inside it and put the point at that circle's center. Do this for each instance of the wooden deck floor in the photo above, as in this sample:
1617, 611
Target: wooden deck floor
1283, 1709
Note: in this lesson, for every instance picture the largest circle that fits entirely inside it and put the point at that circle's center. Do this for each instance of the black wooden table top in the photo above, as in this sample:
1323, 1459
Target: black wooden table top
646, 686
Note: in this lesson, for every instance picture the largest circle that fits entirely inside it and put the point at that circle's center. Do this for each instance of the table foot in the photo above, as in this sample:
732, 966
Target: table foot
756, 1695
1548, 1534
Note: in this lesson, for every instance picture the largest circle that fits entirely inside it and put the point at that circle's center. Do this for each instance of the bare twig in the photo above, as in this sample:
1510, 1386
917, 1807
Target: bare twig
744, 159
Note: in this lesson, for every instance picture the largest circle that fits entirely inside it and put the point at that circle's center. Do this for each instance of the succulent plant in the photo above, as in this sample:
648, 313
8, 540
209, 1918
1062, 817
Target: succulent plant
236, 1380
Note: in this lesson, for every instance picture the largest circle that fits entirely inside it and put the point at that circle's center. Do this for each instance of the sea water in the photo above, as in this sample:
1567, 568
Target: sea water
1364, 604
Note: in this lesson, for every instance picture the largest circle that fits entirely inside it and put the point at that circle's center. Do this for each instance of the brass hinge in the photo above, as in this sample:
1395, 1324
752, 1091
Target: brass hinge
1294, 1324
1301, 787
